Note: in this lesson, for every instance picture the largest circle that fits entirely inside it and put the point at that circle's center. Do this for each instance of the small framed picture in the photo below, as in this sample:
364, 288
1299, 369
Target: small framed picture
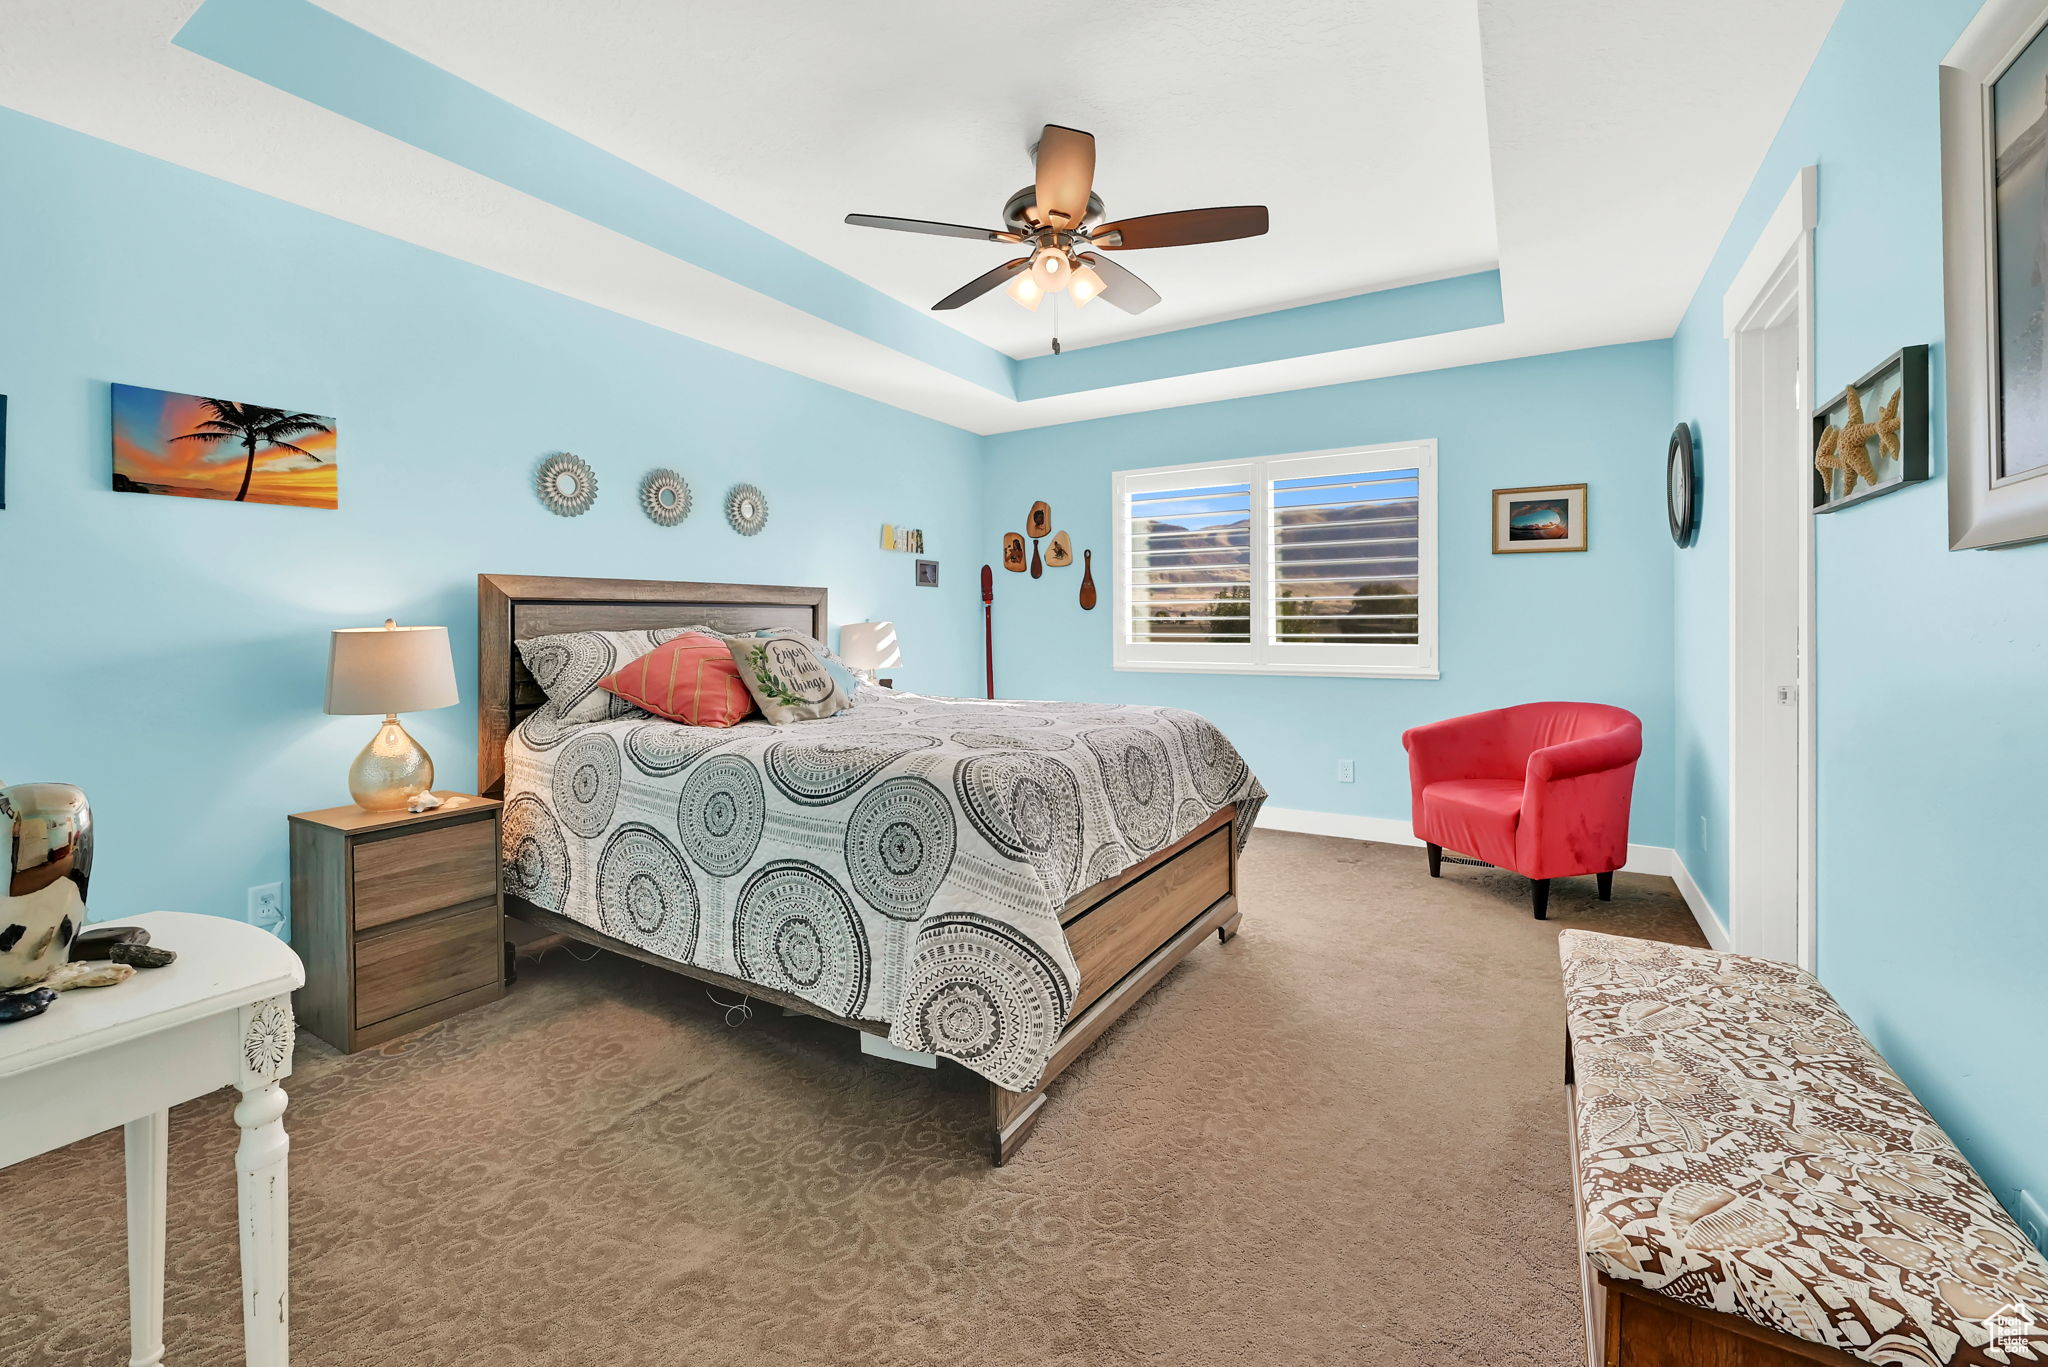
927, 574
1546, 517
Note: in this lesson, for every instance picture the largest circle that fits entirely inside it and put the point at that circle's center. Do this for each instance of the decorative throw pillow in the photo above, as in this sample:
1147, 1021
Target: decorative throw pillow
842, 674
569, 666
787, 677
691, 679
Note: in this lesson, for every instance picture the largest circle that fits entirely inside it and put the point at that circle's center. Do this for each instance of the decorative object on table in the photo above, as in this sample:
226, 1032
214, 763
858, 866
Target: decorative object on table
988, 623
1681, 486
195, 447
665, 497
423, 801
48, 833
1059, 552
1871, 438
746, 508
398, 917
1994, 177
75, 974
1543, 517
1014, 558
389, 669
566, 484
98, 942
866, 647
138, 954
25, 1005
1087, 581
787, 678
927, 574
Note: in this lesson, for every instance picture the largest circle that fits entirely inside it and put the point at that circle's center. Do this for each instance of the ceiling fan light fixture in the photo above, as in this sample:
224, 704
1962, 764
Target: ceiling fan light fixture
1025, 291
1085, 285
1050, 269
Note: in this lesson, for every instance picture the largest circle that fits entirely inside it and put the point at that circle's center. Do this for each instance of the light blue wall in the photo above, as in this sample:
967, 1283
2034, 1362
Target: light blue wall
1514, 628
167, 654
1932, 665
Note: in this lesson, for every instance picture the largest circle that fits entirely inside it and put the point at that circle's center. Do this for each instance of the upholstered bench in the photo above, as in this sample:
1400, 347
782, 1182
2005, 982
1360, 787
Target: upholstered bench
1756, 1186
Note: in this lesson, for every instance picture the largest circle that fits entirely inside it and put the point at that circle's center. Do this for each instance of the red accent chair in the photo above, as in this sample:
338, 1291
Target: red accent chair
1541, 789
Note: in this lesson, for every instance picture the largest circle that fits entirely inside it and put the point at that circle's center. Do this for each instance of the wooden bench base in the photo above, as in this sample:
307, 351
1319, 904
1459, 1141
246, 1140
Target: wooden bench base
1644, 1329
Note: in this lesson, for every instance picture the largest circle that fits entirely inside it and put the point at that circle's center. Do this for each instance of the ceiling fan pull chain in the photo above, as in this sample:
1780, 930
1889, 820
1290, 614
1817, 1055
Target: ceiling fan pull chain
1055, 325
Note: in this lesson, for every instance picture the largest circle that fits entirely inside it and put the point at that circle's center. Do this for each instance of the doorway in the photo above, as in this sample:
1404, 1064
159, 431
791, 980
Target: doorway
1769, 318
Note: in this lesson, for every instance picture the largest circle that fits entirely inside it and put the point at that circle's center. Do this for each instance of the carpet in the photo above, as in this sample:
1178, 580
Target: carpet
1339, 1139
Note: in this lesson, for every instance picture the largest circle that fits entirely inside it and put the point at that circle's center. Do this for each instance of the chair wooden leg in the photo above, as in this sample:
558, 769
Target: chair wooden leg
1539, 888
1606, 881
1436, 861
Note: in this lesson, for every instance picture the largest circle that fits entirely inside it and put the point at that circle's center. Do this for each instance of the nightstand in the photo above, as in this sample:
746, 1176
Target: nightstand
398, 918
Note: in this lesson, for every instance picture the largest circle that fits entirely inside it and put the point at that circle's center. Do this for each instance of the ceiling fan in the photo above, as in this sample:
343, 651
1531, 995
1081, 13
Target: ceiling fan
1059, 218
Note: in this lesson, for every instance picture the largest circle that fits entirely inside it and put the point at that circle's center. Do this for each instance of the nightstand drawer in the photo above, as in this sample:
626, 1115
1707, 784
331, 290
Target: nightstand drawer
416, 965
424, 870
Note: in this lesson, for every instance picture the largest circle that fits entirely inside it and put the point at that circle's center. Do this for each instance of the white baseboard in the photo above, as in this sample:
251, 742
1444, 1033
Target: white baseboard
1387, 830
1702, 910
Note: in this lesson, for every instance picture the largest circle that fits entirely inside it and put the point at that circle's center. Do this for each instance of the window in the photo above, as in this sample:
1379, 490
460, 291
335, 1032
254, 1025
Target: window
1320, 563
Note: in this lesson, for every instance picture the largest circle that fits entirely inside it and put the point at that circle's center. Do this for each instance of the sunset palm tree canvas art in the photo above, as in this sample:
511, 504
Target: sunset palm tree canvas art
198, 447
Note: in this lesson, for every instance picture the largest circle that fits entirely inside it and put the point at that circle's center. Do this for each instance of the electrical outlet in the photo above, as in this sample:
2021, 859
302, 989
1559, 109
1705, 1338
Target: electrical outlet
2034, 1218
266, 906
1346, 771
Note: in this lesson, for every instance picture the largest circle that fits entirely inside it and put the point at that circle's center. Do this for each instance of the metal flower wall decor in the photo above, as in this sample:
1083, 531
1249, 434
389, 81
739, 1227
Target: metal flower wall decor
665, 495
746, 507
566, 484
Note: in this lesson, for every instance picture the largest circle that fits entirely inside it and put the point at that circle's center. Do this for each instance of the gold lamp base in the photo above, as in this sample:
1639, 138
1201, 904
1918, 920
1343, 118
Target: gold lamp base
391, 768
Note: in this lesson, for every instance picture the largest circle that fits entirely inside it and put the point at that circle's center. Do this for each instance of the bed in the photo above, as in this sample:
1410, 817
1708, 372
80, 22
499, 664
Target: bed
990, 882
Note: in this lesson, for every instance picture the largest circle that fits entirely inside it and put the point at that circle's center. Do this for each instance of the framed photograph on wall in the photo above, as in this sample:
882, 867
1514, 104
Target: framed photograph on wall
927, 574
1544, 517
1994, 190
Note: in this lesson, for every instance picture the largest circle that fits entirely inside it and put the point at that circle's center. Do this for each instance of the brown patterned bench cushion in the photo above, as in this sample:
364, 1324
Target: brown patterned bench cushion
1742, 1148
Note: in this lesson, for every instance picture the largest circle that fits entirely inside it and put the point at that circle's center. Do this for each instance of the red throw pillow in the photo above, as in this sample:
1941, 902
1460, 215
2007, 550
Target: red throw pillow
691, 679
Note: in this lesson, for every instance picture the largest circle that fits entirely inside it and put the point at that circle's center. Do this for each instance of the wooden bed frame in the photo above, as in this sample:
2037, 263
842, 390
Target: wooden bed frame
1126, 932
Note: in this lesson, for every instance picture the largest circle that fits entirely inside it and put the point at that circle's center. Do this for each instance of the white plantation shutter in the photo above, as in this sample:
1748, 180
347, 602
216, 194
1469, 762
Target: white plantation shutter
1321, 563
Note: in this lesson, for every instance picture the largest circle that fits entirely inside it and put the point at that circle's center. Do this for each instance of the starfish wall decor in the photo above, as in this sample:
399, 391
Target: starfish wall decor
1847, 448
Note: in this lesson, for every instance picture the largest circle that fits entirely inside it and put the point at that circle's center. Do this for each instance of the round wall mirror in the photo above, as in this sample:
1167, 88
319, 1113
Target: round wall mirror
567, 485
665, 497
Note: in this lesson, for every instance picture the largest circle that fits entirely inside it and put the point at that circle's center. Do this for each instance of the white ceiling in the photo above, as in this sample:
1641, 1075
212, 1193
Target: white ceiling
1597, 150
1361, 124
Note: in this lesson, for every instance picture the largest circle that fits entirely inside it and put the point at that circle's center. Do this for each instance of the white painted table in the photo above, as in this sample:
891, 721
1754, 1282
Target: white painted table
124, 1055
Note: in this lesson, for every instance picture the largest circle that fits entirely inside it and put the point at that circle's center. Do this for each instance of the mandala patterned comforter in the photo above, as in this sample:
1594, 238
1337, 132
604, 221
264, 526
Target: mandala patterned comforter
904, 862
1742, 1148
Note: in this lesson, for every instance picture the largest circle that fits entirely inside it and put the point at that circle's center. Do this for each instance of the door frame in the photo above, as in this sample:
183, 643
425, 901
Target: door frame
1774, 288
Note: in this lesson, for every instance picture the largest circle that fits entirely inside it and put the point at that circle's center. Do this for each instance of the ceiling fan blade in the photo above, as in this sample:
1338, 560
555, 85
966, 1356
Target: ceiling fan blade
982, 284
920, 225
1119, 286
1183, 228
1066, 173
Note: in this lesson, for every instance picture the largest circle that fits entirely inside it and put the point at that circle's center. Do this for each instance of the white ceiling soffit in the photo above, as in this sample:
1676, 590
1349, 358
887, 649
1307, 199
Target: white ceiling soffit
1627, 139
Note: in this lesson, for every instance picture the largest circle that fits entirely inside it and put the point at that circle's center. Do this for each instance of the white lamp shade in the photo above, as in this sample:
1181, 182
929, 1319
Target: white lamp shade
869, 645
374, 670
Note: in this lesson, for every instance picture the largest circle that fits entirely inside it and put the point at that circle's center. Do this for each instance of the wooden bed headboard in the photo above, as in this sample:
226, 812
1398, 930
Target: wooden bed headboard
516, 607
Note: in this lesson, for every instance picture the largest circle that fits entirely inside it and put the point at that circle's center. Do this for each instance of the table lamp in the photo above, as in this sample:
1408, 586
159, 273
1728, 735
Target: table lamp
389, 669
869, 646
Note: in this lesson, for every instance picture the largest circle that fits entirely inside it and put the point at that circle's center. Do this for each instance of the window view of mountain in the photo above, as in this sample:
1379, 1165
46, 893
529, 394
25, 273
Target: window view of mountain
1342, 573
